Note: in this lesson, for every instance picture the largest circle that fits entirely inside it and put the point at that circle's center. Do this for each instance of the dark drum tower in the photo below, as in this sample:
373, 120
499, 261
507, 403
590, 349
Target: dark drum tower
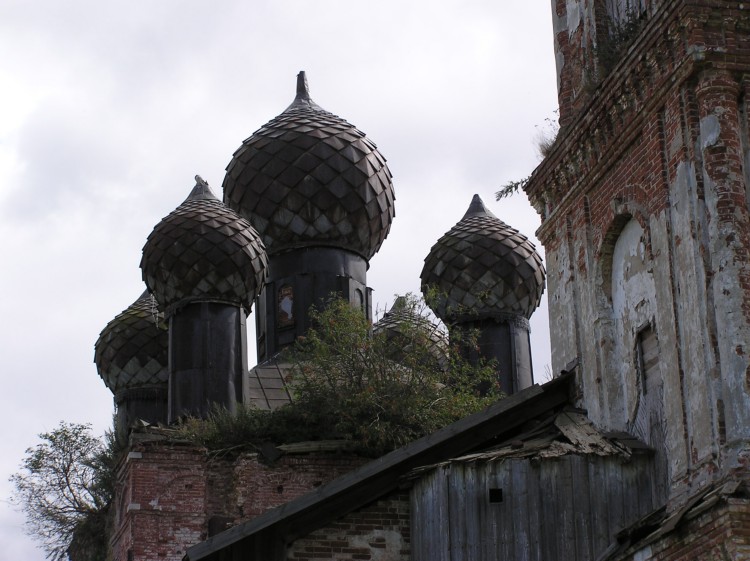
205, 265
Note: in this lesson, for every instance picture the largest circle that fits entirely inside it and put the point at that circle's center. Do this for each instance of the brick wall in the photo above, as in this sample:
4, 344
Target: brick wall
171, 496
159, 503
378, 532
583, 42
259, 487
720, 534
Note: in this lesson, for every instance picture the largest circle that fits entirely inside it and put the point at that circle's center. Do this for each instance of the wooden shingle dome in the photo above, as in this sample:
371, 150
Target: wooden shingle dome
131, 350
483, 268
309, 178
203, 251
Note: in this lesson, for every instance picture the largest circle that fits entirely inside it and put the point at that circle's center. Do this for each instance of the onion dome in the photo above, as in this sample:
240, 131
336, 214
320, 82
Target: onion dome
404, 316
203, 251
132, 349
403, 324
309, 178
484, 268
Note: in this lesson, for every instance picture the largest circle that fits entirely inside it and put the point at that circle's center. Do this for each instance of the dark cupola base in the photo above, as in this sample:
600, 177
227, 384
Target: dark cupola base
302, 278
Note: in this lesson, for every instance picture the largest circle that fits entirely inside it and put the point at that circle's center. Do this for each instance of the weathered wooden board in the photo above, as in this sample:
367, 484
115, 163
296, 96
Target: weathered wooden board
567, 507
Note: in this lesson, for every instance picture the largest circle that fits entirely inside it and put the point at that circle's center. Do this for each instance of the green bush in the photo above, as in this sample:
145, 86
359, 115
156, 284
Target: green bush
377, 390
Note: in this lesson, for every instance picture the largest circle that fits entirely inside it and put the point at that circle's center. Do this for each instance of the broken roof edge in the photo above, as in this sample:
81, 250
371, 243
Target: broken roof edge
660, 523
381, 476
564, 432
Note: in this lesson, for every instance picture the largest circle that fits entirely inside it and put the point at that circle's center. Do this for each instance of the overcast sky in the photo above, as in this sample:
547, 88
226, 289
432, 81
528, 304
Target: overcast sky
108, 110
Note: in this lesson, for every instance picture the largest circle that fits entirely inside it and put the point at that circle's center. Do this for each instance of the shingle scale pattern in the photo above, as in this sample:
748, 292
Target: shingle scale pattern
483, 268
307, 178
131, 351
204, 251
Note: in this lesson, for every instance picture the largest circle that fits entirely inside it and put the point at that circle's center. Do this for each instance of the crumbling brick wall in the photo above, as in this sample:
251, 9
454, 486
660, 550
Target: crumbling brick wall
171, 496
722, 533
661, 140
377, 532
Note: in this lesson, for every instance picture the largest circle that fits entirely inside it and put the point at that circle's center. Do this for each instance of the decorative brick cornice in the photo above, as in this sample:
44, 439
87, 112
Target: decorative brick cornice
679, 39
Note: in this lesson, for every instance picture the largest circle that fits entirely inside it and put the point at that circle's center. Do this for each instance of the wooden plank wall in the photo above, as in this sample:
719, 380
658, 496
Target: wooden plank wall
561, 508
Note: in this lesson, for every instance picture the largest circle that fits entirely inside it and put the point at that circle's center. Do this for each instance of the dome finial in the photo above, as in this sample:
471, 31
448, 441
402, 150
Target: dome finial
201, 191
477, 208
303, 91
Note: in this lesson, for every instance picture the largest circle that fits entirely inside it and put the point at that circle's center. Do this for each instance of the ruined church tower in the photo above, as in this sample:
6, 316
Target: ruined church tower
646, 227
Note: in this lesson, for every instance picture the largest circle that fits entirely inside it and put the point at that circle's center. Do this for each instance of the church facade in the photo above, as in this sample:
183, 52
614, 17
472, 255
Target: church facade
638, 449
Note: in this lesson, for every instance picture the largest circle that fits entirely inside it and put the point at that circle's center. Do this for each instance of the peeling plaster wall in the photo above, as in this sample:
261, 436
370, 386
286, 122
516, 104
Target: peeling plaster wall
580, 27
600, 324
664, 322
645, 219
728, 241
561, 304
696, 357
633, 305
621, 10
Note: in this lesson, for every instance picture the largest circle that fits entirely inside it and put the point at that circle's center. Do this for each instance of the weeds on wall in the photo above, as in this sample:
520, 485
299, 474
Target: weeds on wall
544, 140
621, 34
546, 135
511, 188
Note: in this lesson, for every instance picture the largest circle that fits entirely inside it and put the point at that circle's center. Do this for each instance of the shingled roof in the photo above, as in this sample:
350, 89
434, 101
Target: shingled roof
203, 251
483, 268
131, 350
309, 178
